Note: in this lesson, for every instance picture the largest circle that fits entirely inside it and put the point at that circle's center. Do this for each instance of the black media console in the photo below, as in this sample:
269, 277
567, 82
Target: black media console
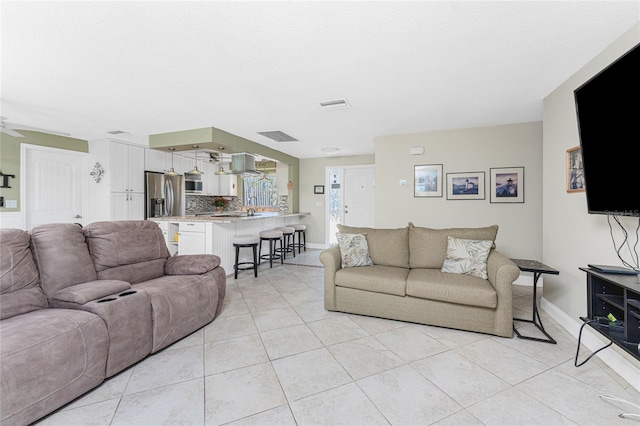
618, 295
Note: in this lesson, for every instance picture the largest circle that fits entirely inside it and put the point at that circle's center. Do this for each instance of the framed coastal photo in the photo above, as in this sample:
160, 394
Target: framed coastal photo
465, 186
575, 174
507, 184
318, 189
427, 180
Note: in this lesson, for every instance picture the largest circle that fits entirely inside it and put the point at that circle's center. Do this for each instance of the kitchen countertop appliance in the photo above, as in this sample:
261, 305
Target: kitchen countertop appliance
164, 195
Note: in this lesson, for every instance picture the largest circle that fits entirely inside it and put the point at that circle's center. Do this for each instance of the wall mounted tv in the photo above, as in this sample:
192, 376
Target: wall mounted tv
608, 111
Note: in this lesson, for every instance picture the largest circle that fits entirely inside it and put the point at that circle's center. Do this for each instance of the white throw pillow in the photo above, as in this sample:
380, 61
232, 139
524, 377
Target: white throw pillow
354, 250
467, 257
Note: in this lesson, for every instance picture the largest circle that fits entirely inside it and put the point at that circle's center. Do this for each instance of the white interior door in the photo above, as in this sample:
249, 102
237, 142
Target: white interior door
358, 203
52, 185
350, 198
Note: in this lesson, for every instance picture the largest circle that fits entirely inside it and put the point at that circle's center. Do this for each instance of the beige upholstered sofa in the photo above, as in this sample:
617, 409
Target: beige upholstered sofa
406, 283
80, 305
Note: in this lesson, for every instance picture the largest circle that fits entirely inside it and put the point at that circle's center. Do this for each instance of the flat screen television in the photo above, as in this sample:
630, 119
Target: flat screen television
608, 112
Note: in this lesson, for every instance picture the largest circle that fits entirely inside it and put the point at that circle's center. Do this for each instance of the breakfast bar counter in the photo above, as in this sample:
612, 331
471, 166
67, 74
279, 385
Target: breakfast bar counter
212, 233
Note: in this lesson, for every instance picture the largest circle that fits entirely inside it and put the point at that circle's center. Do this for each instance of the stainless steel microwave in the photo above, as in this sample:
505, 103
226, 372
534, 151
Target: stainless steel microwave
192, 186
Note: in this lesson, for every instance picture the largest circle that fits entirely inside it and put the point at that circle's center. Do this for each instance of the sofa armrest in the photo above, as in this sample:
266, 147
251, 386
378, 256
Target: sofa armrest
81, 294
191, 264
502, 272
332, 262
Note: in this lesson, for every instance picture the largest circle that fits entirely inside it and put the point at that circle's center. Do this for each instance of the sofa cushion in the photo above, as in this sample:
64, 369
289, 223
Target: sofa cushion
428, 247
19, 282
467, 257
354, 250
49, 357
387, 247
181, 304
127, 250
376, 278
62, 256
454, 288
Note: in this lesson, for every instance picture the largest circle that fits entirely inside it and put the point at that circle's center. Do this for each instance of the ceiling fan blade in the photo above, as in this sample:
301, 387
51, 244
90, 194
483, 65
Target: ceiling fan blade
12, 132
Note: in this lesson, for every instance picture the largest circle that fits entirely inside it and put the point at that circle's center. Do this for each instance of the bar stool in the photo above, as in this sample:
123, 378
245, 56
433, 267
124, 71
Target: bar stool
288, 236
272, 236
249, 241
302, 236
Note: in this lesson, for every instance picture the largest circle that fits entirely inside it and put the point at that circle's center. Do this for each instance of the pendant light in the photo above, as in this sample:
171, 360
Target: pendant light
220, 169
264, 177
195, 170
171, 171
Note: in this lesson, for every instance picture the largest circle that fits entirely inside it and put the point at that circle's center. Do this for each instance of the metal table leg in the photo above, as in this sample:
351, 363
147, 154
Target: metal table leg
535, 320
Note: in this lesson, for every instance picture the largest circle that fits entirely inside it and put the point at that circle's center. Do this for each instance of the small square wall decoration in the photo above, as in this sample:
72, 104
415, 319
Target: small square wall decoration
507, 185
428, 180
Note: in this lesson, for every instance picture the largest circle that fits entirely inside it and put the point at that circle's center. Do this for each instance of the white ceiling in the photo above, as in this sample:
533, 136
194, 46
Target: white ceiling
245, 67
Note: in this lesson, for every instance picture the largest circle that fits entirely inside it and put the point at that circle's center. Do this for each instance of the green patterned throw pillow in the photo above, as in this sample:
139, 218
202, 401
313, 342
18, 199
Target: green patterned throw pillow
467, 257
354, 250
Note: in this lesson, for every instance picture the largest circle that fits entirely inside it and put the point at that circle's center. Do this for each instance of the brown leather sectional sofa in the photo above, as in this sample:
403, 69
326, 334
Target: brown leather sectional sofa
78, 305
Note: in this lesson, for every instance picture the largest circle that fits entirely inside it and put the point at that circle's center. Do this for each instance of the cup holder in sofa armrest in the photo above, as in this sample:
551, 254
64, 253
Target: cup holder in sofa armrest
108, 299
127, 293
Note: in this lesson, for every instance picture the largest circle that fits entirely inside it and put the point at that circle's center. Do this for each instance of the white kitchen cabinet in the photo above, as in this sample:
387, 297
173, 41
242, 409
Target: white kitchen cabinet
127, 181
194, 238
127, 167
228, 185
209, 178
127, 206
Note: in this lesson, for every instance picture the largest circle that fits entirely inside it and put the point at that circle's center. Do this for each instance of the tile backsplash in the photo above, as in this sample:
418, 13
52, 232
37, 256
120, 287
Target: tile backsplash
203, 203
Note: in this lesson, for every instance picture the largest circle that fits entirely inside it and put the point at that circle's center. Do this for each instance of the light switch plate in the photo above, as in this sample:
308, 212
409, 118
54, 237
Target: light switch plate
12, 204
403, 182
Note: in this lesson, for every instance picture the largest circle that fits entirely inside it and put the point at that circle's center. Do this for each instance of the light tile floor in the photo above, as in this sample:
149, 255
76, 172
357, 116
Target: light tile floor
275, 356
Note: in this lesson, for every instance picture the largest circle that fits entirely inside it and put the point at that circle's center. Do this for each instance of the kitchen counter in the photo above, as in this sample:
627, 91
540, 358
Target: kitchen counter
213, 233
228, 217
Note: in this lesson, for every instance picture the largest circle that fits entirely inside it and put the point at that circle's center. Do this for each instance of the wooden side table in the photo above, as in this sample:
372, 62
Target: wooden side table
538, 269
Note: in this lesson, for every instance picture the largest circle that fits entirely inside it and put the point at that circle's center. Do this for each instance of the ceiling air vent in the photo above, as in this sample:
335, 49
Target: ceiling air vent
117, 132
278, 136
334, 104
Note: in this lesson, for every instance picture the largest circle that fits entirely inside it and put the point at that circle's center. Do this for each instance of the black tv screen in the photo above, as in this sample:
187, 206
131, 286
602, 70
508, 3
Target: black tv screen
608, 112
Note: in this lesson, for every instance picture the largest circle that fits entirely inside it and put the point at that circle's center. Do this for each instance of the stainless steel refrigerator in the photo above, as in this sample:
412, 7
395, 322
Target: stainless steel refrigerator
164, 195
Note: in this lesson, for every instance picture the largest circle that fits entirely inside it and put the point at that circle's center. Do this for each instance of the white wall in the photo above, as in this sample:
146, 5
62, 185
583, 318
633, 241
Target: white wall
465, 150
571, 237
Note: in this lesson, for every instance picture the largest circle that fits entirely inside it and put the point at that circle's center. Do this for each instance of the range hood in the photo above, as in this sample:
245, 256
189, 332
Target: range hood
243, 164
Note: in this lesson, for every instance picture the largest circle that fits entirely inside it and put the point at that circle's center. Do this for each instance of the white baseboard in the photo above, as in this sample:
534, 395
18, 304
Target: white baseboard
592, 340
527, 280
317, 246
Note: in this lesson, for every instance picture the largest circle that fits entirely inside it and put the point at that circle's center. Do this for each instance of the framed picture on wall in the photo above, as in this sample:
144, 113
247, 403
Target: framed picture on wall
465, 186
427, 180
507, 184
318, 189
575, 175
